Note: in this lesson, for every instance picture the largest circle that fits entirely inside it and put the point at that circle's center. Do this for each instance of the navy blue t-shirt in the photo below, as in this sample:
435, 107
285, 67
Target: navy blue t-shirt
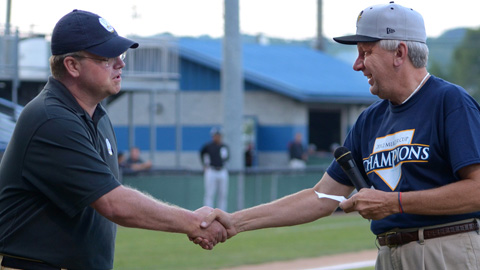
58, 162
419, 145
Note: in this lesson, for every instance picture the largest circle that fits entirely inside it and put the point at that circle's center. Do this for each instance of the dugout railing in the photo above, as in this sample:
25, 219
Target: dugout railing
247, 188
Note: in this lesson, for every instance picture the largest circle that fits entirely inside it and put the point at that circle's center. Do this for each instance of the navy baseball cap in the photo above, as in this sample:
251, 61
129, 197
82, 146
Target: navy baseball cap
216, 131
390, 21
85, 31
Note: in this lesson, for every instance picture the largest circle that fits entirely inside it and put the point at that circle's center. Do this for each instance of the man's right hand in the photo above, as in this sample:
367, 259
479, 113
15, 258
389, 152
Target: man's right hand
224, 218
208, 236
216, 216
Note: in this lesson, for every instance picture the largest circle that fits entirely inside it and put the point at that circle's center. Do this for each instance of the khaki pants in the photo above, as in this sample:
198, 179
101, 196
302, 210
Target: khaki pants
453, 252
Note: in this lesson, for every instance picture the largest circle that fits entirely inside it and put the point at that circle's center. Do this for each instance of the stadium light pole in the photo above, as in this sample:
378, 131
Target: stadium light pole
319, 43
7, 21
232, 92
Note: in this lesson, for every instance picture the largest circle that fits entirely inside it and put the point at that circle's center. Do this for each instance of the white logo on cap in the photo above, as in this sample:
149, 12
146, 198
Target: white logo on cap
106, 25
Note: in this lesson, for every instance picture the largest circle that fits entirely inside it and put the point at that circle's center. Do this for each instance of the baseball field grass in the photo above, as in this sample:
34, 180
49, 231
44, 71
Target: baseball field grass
148, 250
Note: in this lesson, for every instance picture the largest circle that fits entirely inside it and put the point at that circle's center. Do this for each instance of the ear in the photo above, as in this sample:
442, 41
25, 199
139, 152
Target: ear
401, 54
72, 66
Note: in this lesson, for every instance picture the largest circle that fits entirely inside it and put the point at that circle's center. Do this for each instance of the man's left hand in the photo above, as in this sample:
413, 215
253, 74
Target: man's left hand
372, 204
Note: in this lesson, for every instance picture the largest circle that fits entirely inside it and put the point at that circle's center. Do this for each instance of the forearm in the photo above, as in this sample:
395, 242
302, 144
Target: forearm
131, 208
456, 198
299, 208
141, 166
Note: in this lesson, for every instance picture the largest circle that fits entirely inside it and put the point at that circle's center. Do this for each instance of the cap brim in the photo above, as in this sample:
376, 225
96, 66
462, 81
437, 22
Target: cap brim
354, 39
113, 47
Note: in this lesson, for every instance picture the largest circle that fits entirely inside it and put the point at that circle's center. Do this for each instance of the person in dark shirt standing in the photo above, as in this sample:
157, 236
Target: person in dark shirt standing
297, 153
213, 156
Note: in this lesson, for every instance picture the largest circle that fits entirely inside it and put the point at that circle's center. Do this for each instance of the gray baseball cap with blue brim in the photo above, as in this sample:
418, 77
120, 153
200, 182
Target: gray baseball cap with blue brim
390, 21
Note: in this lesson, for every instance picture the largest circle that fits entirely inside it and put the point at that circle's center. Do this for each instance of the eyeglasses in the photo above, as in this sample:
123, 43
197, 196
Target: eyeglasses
108, 61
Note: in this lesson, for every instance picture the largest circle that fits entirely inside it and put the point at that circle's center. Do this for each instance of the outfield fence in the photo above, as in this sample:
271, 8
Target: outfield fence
247, 188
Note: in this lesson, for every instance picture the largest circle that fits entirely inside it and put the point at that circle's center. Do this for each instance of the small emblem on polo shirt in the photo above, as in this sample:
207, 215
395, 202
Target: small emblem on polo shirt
109, 147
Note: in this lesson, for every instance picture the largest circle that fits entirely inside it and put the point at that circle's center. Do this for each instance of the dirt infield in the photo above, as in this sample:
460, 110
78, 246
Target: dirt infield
366, 255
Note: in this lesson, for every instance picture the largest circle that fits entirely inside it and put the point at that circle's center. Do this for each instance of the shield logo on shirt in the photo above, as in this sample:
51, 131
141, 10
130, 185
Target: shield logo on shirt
391, 152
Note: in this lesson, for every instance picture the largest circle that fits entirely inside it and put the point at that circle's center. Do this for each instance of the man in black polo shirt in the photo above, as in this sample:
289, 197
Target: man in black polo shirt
59, 194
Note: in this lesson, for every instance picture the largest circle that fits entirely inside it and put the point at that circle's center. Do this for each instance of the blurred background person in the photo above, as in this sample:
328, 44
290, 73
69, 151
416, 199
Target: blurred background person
249, 155
298, 155
214, 156
135, 162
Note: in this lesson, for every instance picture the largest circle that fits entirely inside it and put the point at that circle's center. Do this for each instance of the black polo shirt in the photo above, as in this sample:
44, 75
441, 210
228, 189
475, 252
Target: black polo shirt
214, 153
58, 162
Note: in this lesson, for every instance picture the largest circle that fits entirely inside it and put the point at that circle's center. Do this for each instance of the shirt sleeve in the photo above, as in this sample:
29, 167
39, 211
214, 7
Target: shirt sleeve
63, 163
462, 129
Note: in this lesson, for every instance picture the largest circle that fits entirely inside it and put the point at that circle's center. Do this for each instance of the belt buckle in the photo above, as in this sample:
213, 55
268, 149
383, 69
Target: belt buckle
387, 234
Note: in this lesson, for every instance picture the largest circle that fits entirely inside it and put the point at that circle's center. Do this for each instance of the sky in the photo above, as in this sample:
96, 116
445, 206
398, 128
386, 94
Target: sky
288, 19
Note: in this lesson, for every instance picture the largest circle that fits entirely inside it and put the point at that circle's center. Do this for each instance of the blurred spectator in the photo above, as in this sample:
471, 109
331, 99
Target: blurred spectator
297, 153
135, 163
249, 155
213, 156
122, 163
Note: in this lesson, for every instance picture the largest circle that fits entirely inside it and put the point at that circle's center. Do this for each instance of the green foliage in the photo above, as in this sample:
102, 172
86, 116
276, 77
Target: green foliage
441, 51
465, 68
148, 250
437, 69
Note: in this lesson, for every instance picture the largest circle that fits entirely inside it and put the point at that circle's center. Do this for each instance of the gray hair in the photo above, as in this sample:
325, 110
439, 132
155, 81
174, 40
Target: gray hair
417, 51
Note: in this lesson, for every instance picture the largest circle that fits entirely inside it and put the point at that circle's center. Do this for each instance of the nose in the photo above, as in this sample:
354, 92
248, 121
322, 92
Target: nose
119, 63
358, 64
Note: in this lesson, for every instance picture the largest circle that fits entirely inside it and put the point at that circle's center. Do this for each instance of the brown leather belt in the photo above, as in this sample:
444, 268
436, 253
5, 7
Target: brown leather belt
393, 239
17, 263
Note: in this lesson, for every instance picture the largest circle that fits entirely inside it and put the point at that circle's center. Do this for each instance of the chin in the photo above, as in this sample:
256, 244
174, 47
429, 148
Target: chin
116, 90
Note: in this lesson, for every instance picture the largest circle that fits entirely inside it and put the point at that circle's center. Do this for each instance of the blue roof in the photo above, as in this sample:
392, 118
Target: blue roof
292, 70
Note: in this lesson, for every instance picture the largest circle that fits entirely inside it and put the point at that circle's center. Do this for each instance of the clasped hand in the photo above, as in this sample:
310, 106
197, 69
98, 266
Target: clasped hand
216, 227
371, 204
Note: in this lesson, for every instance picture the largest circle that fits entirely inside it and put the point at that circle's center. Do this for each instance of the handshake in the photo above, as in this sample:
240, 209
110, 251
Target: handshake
216, 226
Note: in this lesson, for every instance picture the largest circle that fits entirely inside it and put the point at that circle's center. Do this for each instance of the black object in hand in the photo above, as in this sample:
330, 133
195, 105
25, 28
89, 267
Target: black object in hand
345, 160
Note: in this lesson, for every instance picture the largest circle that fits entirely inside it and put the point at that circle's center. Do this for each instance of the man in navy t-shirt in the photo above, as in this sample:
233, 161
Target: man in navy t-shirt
418, 147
